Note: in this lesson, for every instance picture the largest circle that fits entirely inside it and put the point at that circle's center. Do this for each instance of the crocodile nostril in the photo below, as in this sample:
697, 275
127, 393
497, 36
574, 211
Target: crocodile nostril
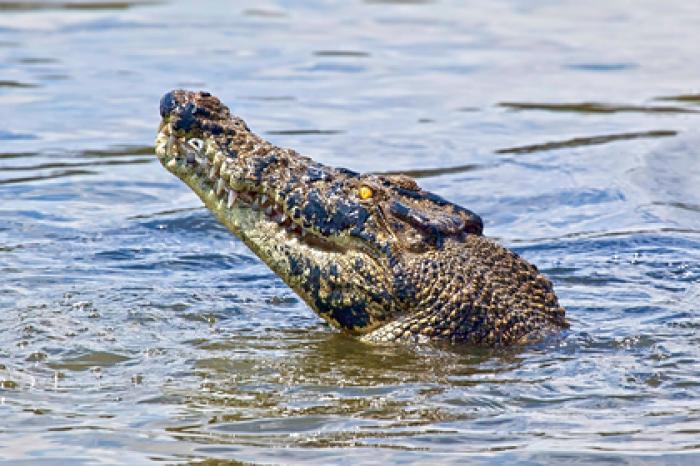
185, 119
167, 104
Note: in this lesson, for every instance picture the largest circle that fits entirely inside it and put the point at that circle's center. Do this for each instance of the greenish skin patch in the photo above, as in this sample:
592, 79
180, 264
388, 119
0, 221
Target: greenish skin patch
375, 256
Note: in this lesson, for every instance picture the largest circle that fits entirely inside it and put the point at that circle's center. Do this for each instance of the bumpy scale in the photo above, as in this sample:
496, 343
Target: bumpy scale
373, 255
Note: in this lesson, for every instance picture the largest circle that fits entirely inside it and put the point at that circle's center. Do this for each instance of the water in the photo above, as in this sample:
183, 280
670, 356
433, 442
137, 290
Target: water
135, 329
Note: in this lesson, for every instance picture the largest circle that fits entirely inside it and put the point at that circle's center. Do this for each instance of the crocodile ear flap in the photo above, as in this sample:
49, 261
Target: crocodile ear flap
472, 222
438, 225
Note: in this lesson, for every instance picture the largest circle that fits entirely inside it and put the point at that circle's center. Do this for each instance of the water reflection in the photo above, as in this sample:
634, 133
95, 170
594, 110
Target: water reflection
49, 176
428, 172
594, 107
16, 84
690, 98
585, 141
77, 5
340, 53
302, 132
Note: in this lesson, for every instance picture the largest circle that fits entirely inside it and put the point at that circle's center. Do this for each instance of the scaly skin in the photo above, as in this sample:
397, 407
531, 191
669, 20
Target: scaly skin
375, 256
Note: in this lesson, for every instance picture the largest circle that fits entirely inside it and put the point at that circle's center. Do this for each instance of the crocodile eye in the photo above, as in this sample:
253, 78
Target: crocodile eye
365, 192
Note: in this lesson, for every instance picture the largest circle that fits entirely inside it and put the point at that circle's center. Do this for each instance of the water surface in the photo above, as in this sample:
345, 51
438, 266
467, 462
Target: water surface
135, 329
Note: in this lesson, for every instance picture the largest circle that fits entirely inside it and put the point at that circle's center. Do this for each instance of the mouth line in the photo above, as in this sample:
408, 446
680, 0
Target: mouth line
212, 167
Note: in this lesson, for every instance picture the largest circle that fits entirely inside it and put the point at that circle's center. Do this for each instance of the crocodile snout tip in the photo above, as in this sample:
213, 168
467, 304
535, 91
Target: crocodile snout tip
167, 103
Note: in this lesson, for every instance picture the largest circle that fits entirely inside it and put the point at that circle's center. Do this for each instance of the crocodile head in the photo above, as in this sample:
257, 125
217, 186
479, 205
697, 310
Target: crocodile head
356, 247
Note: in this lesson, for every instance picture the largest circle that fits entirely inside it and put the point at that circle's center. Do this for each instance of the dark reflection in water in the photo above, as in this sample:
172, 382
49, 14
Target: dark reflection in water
340, 53
37, 60
77, 5
264, 13
16, 84
585, 141
301, 132
602, 67
48, 176
428, 172
593, 107
136, 329
690, 98
77, 164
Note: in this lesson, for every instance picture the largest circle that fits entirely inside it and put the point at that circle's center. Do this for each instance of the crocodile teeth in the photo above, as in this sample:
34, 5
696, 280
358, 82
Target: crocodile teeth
212, 172
210, 148
219, 157
225, 171
219, 187
263, 199
232, 195
161, 143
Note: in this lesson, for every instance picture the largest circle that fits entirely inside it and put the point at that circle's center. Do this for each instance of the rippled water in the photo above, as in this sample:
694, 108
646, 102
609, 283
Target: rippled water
135, 329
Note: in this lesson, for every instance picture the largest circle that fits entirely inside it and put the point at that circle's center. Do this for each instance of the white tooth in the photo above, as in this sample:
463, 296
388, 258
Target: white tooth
161, 143
172, 163
219, 157
225, 170
232, 195
263, 199
303, 232
219, 187
210, 148
212, 172
283, 218
171, 147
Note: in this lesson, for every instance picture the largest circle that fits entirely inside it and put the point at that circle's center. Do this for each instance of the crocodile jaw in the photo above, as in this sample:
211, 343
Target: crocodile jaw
315, 268
373, 255
241, 212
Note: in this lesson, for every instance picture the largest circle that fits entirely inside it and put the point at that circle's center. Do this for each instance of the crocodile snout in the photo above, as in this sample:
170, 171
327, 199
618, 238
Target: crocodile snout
167, 104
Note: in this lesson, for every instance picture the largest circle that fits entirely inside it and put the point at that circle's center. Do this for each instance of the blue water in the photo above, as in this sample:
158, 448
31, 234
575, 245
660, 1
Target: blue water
135, 329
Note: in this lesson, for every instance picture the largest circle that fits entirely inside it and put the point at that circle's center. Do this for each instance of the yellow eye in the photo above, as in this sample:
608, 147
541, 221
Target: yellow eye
365, 192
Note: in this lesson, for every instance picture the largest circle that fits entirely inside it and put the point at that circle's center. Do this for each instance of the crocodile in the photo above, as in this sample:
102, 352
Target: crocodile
374, 255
